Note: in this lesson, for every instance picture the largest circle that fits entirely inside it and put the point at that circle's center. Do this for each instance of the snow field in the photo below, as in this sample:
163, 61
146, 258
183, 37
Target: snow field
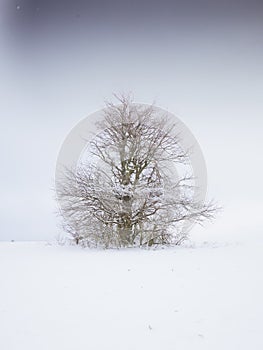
205, 296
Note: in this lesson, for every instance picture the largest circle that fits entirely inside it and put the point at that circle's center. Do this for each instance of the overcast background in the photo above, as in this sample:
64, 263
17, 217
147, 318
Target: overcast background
59, 60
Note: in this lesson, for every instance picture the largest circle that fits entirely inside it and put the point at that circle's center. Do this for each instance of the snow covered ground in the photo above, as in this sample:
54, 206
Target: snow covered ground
202, 296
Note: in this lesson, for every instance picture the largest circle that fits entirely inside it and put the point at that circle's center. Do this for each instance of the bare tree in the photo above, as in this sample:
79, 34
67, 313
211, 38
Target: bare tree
127, 193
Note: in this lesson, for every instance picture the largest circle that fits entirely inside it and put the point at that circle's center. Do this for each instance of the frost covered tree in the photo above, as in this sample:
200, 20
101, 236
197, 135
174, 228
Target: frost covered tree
127, 192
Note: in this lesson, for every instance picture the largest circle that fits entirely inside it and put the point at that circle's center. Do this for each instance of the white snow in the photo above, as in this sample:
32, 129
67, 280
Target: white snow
201, 296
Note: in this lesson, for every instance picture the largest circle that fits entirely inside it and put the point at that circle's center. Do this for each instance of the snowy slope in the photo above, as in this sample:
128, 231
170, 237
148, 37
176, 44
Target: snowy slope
204, 296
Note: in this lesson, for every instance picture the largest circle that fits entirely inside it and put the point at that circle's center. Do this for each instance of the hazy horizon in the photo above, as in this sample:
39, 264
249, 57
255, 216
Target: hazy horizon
201, 60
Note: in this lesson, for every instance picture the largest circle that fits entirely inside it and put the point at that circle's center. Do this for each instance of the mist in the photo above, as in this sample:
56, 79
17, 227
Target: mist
59, 61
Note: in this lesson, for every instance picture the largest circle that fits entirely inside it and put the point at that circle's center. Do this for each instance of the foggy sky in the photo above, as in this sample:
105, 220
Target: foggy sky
201, 60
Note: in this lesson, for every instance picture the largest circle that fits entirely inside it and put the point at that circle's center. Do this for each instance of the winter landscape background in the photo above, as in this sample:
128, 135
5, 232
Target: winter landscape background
197, 59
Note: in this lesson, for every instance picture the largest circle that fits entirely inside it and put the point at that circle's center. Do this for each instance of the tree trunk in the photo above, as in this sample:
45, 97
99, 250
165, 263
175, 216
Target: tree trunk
125, 234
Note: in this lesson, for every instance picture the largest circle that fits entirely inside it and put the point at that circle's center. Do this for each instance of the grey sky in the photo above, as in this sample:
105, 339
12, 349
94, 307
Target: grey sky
200, 60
